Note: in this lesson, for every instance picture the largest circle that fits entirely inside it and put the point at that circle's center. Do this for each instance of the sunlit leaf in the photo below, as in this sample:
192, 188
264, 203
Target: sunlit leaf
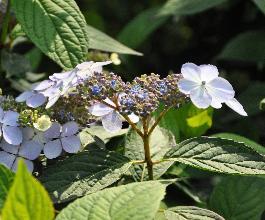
27, 198
57, 27
135, 201
218, 155
84, 173
190, 213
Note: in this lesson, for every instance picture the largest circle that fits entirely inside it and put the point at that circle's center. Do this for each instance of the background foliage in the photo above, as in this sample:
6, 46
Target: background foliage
161, 36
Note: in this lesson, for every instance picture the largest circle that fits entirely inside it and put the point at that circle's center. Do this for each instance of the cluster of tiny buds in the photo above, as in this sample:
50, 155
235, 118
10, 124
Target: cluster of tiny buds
142, 96
100, 86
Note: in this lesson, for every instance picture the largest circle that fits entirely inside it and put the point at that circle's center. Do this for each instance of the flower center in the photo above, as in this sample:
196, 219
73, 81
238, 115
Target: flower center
203, 83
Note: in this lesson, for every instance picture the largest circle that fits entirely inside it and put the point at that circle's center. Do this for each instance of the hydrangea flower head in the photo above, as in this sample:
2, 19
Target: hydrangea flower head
206, 88
9, 127
61, 137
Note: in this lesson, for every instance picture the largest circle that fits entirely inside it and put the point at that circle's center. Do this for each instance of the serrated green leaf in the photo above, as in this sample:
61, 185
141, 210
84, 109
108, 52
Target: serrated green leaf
180, 7
239, 198
27, 198
135, 201
248, 46
101, 41
84, 173
252, 144
218, 155
260, 4
57, 27
161, 141
140, 27
191, 213
6, 179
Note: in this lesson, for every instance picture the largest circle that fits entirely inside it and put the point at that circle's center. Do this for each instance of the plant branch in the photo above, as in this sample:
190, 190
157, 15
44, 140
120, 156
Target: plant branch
161, 115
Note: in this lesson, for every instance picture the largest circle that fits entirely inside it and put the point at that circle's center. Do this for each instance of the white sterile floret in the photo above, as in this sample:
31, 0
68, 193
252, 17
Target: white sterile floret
111, 119
206, 88
59, 84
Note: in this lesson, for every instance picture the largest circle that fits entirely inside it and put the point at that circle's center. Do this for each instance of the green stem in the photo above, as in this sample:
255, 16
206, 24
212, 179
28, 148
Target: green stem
5, 24
161, 115
147, 152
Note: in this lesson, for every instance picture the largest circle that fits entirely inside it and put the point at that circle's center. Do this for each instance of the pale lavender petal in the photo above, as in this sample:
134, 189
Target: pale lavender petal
52, 100
191, 72
13, 149
27, 133
53, 149
220, 90
200, 97
24, 96
39, 137
185, 86
99, 109
236, 106
208, 72
133, 117
112, 122
10, 118
1, 114
43, 85
36, 100
30, 150
28, 163
7, 159
69, 129
63, 75
71, 144
54, 131
12, 135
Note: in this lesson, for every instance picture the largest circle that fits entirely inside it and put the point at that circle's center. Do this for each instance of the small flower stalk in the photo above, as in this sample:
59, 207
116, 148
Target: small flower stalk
86, 94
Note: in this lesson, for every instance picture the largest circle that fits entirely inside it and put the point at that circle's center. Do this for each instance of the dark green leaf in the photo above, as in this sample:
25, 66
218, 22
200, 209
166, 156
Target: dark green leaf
6, 179
140, 28
100, 41
260, 4
180, 7
248, 46
84, 173
252, 144
239, 198
14, 64
218, 155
